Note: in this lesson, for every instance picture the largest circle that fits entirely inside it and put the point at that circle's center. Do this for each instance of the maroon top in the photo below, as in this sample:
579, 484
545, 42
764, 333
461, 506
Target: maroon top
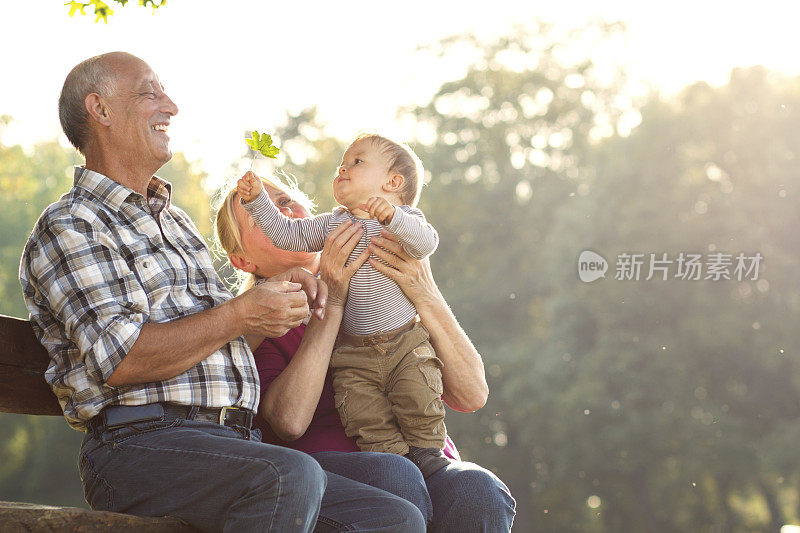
325, 433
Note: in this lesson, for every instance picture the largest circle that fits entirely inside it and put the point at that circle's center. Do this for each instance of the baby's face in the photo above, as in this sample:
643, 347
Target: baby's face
362, 174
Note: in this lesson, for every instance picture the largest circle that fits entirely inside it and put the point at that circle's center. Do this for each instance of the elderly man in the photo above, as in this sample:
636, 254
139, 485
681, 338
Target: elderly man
146, 344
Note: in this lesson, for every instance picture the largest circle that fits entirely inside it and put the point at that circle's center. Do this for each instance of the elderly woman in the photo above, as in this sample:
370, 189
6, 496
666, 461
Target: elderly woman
297, 404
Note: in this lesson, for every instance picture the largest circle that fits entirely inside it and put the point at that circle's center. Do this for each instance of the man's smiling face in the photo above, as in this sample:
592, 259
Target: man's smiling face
140, 114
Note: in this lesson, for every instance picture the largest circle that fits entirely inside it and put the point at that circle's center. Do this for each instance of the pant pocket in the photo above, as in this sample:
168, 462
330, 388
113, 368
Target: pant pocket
96, 490
433, 376
340, 400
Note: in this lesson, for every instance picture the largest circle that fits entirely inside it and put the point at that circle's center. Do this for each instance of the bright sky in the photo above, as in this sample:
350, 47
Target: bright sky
236, 65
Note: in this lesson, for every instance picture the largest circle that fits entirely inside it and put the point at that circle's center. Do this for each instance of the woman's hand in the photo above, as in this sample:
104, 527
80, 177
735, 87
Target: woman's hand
333, 270
413, 276
463, 376
316, 290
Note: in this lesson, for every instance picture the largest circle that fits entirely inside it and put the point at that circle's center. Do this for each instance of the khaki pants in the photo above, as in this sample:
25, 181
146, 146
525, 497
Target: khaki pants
388, 390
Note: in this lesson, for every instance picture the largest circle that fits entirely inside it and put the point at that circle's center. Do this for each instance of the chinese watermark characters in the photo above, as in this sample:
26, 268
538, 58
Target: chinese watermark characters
685, 266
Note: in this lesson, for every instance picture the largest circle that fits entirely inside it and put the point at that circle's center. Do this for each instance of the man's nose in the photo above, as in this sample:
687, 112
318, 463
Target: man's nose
286, 211
169, 106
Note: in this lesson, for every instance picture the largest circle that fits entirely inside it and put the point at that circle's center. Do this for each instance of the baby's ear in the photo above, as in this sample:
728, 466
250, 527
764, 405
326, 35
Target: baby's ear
394, 183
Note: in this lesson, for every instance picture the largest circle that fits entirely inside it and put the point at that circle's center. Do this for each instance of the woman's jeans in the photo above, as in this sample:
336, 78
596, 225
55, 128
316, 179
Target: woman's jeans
461, 497
217, 479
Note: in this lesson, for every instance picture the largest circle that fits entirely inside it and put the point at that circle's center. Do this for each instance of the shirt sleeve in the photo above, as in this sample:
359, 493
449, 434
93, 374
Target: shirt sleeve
294, 234
73, 275
415, 234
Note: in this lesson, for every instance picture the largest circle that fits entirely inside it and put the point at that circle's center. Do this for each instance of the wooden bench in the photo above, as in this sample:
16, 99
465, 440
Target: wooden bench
23, 391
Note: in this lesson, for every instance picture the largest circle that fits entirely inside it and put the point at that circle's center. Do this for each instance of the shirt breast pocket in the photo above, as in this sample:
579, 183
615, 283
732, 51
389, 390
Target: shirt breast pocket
151, 269
155, 280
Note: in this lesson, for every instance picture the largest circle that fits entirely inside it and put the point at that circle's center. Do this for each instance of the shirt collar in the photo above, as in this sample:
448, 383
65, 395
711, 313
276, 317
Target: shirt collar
114, 193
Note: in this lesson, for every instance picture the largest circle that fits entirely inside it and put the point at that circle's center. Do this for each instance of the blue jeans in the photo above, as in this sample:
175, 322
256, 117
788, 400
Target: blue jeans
218, 478
461, 497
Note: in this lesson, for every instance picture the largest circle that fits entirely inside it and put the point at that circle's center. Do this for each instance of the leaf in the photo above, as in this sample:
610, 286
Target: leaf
262, 143
102, 10
76, 6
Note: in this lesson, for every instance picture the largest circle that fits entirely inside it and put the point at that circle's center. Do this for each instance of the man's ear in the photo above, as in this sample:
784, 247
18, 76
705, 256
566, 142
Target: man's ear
241, 263
97, 109
394, 183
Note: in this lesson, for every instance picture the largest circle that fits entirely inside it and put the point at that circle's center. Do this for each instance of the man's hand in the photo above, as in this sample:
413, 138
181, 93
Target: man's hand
315, 289
249, 187
379, 208
272, 308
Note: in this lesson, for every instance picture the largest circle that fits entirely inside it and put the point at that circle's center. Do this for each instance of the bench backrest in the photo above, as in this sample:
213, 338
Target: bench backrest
23, 390
22, 364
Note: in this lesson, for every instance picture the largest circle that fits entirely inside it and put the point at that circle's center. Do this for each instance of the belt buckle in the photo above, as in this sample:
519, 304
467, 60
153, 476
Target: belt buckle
222, 412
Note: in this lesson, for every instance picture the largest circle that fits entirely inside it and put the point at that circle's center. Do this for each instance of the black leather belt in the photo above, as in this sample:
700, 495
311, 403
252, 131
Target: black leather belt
116, 416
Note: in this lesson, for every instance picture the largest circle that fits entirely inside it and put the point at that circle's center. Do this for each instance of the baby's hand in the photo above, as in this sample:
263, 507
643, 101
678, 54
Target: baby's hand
379, 208
249, 187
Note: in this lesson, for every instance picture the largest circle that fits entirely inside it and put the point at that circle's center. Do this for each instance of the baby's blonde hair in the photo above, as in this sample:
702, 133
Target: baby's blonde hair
403, 161
228, 238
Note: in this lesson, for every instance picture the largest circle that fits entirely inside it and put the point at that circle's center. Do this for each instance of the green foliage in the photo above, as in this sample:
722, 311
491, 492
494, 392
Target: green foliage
36, 450
39, 461
189, 191
673, 402
263, 145
29, 183
310, 155
102, 10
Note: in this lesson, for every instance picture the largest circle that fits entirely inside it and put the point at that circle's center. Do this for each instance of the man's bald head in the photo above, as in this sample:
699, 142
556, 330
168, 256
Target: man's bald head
95, 75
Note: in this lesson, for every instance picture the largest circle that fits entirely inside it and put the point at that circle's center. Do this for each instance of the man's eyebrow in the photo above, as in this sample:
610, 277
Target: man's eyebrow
149, 84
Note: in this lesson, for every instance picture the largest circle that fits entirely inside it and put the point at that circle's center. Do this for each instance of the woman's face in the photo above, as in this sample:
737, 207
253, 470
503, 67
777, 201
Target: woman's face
268, 259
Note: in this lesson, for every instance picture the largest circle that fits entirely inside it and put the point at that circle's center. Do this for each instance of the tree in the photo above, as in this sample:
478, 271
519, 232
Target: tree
618, 405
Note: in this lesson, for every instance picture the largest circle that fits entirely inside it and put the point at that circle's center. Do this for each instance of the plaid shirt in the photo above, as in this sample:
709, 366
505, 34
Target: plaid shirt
101, 262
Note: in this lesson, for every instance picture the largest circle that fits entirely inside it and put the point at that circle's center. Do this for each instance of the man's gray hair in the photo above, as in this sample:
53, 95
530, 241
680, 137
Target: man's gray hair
93, 75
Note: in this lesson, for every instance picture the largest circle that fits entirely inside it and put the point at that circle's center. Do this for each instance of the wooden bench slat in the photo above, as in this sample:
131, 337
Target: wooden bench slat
19, 346
31, 517
23, 361
23, 390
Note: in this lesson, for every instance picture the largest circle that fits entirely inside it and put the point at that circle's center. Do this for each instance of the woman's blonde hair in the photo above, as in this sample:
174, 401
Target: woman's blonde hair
228, 238
403, 161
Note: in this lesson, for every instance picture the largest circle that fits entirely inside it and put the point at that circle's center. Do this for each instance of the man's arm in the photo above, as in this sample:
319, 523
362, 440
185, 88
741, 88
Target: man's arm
72, 272
164, 350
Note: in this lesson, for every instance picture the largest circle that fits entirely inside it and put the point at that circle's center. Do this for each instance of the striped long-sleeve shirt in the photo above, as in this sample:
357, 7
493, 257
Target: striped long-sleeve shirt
375, 303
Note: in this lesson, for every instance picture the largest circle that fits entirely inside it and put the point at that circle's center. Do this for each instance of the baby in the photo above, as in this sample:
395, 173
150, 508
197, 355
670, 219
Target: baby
387, 380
